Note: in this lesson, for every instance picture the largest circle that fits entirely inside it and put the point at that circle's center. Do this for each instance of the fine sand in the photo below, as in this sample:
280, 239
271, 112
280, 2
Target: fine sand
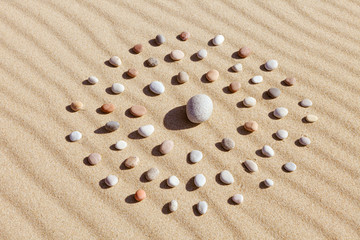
49, 48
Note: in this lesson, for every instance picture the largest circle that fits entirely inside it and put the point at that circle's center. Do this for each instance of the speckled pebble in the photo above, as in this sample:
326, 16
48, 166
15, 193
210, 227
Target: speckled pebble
251, 166
184, 36
237, 67
173, 205
94, 158
282, 134
120, 145
115, 61
256, 79
111, 180
75, 136
268, 182
311, 118
306, 103
132, 162
157, 87
173, 181
226, 177
202, 207
152, 174
251, 126
146, 130
160, 39
117, 88
93, 80
195, 156
112, 126
199, 180
201, 54
182, 77
177, 55
166, 146
304, 141
249, 102
280, 112
228, 144
238, 198
271, 65
268, 151
274, 92
152, 62
290, 166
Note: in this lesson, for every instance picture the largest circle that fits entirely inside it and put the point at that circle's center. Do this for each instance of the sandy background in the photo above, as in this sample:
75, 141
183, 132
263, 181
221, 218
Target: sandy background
47, 50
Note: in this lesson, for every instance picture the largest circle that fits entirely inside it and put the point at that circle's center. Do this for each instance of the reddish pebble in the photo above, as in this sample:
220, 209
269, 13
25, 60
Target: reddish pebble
140, 195
290, 81
132, 72
251, 126
108, 108
138, 48
235, 86
244, 52
212, 75
184, 36
138, 111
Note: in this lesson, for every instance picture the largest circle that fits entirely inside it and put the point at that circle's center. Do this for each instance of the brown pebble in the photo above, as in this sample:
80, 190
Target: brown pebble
131, 162
76, 106
290, 81
166, 146
138, 110
184, 36
94, 158
212, 75
140, 195
251, 126
138, 48
108, 108
244, 52
234, 86
132, 72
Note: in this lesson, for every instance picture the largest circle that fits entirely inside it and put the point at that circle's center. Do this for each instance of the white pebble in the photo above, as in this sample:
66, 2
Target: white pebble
304, 141
146, 131
238, 198
226, 177
268, 151
268, 182
249, 102
93, 80
237, 67
195, 156
117, 88
157, 87
199, 180
218, 40
173, 205
202, 207
201, 54
282, 134
306, 103
199, 108
257, 79
111, 180
280, 112
251, 166
75, 136
173, 181
271, 65
120, 145
115, 61
290, 166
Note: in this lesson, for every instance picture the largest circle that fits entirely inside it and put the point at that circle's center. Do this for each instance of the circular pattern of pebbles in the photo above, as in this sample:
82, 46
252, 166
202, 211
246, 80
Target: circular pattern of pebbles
249, 102
280, 112
146, 130
311, 118
268, 151
166, 146
195, 156
271, 65
138, 110
138, 48
152, 174
237, 67
120, 145
251, 166
201, 54
140, 195
112, 126
152, 62
182, 77
304, 141
237, 198
274, 92
218, 40
226, 177
94, 158
281, 134
306, 103
251, 126
173, 205
212, 75
93, 80
173, 181
202, 207
160, 39
177, 55
199, 180
132, 162
76, 106
184, 36
268, 182
107, 108
290, 81
257, 79
199, 108
132, 72
290, 166
157, 87
244, 52
117, 88
234, 86
75, 136
115, 61
228, 144
111, 180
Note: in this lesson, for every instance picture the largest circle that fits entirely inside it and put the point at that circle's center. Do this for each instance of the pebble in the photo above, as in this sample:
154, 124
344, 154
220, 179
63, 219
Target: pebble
290, 166
112, 126
218, 40
173, 181
274, 92
202, 207
107, 107
268, 151
177, 55
94, 158
251, 126
199, 108
115, 61
271, 65
226, 177
195, 156
306, 103
244, 52
237, 198
199, 180
282, 134
157, 87
251, 166
257, 79
228, 144
201, 54
120, 145
280, 112
237, 67
304, 141
166, 146
173, 205
212, 75
75, 136
182, 77
311, 118
138, 48
152, 174
268, 182
131, 162
117, 88
140, 195
152, 62
234, 86
146, 131
249, 102
184, 36
93, 80
290, 81
138, 110
111, 180
76, 106
132, 72
160, 39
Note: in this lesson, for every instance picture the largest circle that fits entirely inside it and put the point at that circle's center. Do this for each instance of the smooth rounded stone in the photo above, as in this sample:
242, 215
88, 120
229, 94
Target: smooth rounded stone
138, 48
251, 166
282, 134
304, 141
93, 80
184, 36
140, 195
201, 54
228, 144
274, 92
306, 103
94, 158
249, 102
290, 81
237, 198
173, 205
117, 88
290, 166
257, 79
212, 75
132, 72
76, 106
166, 146
234, 86
271, 65
251, 126
195, 156
152, 62
157, 87
152, 174
244, 52
173, 181
280, 112
199, 180
115, 61
199, 108
177, 55
311, 118
120, 145
107, 107
237, 67
182, 77
138, 110
146, 131
202, 207
132, 162
268, 151
112, 126
218, 40
75, 136
226, 177
111, 180
268, 182
160, 39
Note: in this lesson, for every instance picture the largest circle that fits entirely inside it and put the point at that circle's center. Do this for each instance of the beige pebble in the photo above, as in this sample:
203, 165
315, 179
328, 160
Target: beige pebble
182, 77
166, 146
94, 158
311, 118
244, 52
132, 72
184, 36
76, 106
138, 48
290, 81
107, 107
115, 61
251, 166
228, 144
251, 126
132, 162
152, 174
234, 86
212, 75
138, 110
177, 55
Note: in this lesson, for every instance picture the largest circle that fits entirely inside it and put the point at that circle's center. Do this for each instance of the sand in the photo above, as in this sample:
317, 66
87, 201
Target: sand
49, 48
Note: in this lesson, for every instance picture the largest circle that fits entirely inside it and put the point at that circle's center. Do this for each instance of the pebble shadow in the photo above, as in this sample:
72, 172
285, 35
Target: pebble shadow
245, 168
102, 184
188, 159
194, 58
132, 51
98, 110
304, 120
174, 80
275, 137
130, 199
176, 119
86, 82
251, 83
243, 131
231, 202
196, 212
101, 130
143, 178
241, 105
67, 138
283, 82
109, 91
123, 167
266, 96
219, 146
226, 90
107, 63
217, 179
204, 79
164, 185
156, 151
297, 143
165, 209
125, 75
262, 68
259, 153
190, 186
283, 168
271, 115
235, 55
68, 108
262, 185
135, 135
210, 43
86, 162
168, 59
147, 92
230, 69
153, 43
128, 113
